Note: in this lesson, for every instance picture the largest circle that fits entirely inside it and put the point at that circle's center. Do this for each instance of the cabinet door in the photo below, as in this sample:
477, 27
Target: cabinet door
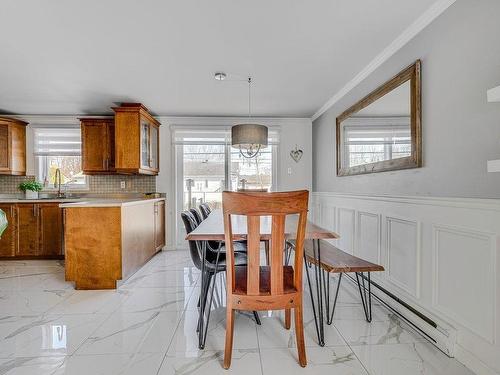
4, 148
110, 131
7, 241
18, 149
27, 230
159, 225
155, 162
94, 147
51, 228
145, 144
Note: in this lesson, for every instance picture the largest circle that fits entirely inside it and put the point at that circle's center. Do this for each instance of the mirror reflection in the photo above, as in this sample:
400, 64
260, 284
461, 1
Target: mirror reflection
381, 131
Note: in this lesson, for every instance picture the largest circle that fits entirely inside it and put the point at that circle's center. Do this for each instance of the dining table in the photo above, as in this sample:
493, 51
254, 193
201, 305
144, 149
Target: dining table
212, 229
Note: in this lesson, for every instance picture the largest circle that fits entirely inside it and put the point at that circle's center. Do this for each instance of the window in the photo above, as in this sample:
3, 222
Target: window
59, 148
206, 165
369, 140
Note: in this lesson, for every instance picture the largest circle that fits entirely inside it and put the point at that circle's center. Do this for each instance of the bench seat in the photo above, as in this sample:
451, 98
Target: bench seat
335, 260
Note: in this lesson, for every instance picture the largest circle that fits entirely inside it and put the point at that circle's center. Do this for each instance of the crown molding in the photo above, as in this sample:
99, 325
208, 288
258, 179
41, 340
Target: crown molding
408, 34
54, 120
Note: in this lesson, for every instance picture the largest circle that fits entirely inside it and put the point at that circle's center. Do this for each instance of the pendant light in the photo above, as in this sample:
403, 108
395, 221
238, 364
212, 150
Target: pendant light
249, 137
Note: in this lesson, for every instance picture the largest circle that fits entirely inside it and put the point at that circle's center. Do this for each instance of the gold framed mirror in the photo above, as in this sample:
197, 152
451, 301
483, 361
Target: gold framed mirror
383, 131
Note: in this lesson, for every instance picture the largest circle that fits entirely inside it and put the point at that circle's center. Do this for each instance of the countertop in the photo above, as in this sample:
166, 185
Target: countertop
108, 202
46, 200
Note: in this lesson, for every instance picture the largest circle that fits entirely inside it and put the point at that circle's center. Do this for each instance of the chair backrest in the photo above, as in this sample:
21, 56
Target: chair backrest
190, 224
205, 210
196, 215
273, 208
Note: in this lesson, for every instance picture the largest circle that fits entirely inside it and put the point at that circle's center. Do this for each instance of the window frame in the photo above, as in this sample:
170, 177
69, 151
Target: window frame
38, 159
177, 153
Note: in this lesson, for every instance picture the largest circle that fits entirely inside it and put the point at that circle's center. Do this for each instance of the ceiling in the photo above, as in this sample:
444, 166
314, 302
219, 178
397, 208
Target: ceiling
83, 56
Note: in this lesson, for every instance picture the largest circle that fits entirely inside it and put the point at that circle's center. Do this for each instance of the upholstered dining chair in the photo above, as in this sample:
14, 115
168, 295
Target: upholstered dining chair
205, 210
196, 215
271, 287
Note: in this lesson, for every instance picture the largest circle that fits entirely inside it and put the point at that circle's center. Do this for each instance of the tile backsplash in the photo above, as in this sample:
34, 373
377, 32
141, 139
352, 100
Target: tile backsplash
96, 184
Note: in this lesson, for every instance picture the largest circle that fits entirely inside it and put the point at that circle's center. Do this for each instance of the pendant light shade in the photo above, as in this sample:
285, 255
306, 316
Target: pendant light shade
249, 138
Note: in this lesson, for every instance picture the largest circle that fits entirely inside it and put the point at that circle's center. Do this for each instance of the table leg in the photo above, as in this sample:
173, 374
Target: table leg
320, 287
204, 331
202, 293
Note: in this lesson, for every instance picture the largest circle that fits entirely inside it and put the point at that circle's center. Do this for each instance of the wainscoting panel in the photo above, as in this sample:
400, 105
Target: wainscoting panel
368, 237
403, 254
441, 257
458, 256
345, 225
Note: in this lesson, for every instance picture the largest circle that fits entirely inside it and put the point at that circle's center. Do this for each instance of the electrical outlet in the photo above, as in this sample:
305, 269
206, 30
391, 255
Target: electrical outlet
289, 170
122, 185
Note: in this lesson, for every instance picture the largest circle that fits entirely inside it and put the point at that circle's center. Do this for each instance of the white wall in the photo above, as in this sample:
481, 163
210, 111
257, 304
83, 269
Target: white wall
446, 251
460, 55
293, 131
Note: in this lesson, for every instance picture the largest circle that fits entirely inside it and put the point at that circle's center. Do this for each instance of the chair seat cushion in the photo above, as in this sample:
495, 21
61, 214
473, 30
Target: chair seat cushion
240, 280
240, 259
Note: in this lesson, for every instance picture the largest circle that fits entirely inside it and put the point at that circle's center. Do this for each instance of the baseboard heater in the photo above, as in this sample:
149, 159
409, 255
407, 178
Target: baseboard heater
440, 334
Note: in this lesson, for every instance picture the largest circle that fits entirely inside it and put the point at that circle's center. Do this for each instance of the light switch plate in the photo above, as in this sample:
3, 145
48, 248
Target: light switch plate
122, 184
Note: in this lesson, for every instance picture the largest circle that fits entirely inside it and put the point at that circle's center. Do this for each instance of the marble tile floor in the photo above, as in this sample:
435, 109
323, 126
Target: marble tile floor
147, 326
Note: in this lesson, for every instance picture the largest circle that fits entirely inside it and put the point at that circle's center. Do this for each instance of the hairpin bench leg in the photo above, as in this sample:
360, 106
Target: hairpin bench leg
329, 316
365, 294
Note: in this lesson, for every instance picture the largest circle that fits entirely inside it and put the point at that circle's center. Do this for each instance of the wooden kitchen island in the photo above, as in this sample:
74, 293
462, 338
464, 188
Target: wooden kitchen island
106, 241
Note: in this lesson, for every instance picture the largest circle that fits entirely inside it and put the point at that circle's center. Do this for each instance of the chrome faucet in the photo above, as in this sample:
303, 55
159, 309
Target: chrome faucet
57, 183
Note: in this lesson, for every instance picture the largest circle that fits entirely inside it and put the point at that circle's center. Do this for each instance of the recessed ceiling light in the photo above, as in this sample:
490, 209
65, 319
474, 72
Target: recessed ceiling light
220, 76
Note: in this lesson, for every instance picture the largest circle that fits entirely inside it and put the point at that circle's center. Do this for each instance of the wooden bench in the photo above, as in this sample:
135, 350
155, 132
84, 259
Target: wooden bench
333, 260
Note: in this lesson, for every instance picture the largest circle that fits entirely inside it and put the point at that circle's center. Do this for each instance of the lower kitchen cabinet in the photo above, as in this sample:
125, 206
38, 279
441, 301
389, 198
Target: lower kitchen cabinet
35, 231
50, 230
159, 225
8, 239
27, 230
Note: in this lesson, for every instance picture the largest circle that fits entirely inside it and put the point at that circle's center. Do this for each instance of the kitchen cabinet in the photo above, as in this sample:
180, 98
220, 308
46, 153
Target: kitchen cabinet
50, 230
7, 240
107, 243
27, 230
35, 230
98, 145
12, 147
137, 140
159, 211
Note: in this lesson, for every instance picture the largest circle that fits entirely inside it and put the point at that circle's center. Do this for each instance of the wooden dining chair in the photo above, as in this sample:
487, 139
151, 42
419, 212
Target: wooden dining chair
271, 287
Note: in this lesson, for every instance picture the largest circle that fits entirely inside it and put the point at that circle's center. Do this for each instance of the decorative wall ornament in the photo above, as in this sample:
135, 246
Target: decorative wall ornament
296, 154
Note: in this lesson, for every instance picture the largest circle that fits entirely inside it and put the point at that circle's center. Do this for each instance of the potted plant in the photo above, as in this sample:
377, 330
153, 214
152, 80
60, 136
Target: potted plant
31, 189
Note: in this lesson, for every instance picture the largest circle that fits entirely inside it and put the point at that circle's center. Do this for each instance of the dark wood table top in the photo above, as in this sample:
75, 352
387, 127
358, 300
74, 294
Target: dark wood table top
212, 228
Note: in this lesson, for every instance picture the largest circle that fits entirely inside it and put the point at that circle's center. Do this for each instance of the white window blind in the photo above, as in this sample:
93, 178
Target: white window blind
204, 135
57, 141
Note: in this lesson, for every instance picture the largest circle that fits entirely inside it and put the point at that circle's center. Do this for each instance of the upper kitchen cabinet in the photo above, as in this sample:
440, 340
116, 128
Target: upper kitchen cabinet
98, 145
12, 147
137, 140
